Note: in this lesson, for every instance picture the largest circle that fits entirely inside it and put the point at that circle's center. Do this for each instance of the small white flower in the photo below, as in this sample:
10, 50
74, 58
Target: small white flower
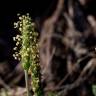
14, 38
17, 43
15, 48
15, 58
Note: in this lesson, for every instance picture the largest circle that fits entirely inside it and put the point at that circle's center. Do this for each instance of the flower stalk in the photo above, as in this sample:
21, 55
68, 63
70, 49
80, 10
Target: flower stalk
27, 51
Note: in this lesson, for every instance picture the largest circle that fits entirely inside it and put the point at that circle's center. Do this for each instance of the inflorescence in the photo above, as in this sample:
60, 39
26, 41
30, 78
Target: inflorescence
27, 50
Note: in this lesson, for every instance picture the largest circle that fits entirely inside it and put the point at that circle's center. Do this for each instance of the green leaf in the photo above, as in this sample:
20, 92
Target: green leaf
94, 89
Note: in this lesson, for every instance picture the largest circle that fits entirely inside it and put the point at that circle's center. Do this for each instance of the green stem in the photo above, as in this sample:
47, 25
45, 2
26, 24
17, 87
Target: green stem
27, 84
